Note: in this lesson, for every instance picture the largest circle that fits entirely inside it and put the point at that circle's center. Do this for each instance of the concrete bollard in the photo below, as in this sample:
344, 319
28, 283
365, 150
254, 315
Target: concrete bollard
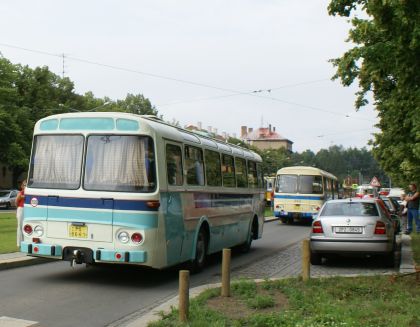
226, 273
184, 295
306, 257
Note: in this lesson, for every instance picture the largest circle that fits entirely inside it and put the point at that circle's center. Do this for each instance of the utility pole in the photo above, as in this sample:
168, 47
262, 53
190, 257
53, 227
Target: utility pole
64, 58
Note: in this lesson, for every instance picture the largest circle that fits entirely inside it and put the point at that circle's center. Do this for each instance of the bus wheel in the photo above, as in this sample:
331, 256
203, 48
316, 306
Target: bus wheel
246, 246
200, 252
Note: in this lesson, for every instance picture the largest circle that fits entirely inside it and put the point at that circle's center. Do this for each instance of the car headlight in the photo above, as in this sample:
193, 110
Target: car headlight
38, 230
123, 237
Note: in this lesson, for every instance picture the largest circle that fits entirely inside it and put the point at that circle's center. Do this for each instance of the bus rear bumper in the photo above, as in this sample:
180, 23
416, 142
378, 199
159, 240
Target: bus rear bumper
294, 215
82, 255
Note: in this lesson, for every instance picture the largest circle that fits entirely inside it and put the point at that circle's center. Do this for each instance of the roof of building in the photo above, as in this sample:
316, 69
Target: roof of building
264, 133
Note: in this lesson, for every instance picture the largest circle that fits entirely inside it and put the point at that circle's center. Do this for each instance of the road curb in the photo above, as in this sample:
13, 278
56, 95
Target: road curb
407, 262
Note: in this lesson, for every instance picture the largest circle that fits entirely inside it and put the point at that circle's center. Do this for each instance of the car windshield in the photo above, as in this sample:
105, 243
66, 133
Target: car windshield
367, 209
56, 161
4, 193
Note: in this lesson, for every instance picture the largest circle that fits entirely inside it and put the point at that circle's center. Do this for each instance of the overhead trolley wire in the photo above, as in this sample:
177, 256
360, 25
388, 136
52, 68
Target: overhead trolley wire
254, 93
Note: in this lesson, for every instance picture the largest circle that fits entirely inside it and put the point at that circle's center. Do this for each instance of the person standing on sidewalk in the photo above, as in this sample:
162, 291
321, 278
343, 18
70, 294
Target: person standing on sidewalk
20, 201
413, 209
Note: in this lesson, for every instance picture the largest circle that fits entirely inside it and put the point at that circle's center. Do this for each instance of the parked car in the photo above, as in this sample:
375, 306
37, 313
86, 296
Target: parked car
353, 227
394, 209
371, 191
8, 198
395, 193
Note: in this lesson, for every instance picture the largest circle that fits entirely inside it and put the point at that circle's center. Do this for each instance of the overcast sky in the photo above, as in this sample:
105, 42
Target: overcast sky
229, 46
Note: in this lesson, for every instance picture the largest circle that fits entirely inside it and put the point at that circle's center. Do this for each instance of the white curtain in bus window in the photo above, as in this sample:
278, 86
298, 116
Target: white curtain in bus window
119, 163
56, 161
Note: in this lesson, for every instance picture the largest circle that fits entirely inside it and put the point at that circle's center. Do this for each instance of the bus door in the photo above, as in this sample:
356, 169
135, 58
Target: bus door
80, 218
173, 200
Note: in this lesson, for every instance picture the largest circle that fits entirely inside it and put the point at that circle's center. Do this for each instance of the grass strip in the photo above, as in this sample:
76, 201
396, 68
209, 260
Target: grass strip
8, 233
373, 301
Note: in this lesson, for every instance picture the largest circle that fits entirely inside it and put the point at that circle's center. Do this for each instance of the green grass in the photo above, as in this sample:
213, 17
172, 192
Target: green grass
268, 212
8, 233
339, 301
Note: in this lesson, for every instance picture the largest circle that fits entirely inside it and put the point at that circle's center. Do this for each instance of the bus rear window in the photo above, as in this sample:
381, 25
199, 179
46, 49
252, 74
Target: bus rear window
120, 163
56, 162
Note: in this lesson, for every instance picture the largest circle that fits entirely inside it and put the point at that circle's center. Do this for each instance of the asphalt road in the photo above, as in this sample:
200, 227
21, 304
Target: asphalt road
56, 295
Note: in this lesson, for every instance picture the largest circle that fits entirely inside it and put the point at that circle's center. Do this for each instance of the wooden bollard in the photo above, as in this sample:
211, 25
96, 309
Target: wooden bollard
184, 294
226, 273
306, 255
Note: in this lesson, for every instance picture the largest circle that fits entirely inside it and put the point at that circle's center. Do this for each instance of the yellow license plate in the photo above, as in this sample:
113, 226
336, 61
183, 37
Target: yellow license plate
78, 231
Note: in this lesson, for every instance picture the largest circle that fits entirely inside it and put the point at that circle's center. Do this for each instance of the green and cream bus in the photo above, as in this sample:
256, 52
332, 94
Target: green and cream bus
131, 189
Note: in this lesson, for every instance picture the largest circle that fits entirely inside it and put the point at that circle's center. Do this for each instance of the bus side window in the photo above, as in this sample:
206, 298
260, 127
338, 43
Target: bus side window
252, 174
194, 165
213, 171
174, 164
228, 171
260, 176
241, 175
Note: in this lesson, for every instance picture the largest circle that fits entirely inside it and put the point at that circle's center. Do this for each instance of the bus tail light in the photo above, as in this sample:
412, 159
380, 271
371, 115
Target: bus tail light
27, 229
123, 237
317, 227
155, 204
380, 228
136, 238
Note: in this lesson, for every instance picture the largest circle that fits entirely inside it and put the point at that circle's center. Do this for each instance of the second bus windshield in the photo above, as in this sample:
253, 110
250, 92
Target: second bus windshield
304, 184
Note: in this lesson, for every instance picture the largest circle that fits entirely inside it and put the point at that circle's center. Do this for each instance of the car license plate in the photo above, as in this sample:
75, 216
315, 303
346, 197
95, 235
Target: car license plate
76, 231
349, 229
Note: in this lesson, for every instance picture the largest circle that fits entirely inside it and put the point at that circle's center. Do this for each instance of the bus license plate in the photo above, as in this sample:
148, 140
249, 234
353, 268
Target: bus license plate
78, 231
349, 229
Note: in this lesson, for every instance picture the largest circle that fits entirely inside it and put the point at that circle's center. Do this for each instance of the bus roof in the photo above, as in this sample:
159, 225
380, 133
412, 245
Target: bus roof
305, 170
120, 122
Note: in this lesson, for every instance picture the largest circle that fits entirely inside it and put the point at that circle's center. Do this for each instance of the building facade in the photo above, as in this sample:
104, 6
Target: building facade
265, 138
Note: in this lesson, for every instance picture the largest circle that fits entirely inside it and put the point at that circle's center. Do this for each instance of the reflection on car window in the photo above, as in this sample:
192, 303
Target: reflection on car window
350, 209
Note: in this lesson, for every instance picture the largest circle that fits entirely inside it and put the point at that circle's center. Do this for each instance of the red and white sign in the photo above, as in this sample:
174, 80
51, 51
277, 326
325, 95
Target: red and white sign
375, 182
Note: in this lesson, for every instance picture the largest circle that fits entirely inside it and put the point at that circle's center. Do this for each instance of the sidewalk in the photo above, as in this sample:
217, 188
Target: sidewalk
18, 259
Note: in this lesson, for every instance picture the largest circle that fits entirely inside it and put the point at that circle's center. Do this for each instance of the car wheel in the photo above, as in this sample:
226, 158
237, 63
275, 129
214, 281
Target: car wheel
199, 261
316, 259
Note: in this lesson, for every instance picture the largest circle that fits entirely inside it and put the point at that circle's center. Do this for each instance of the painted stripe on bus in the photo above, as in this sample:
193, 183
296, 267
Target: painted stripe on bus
94, 203
139, 220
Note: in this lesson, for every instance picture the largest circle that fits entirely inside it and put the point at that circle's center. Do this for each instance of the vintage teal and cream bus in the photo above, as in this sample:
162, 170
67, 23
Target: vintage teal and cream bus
301, 191
131, 189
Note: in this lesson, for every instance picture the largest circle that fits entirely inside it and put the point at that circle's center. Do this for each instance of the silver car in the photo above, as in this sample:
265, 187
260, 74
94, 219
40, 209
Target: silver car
8, 198
353, 227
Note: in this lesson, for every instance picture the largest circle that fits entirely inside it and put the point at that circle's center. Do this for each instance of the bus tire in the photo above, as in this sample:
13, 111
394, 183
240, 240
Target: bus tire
201, 245
252, 235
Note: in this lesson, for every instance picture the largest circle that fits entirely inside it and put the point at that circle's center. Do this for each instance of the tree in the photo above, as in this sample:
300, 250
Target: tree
385, 61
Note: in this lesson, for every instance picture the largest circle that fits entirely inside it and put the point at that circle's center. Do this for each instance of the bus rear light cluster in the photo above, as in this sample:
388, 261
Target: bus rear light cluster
317, 227
27, 229
136, 238
124, 237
